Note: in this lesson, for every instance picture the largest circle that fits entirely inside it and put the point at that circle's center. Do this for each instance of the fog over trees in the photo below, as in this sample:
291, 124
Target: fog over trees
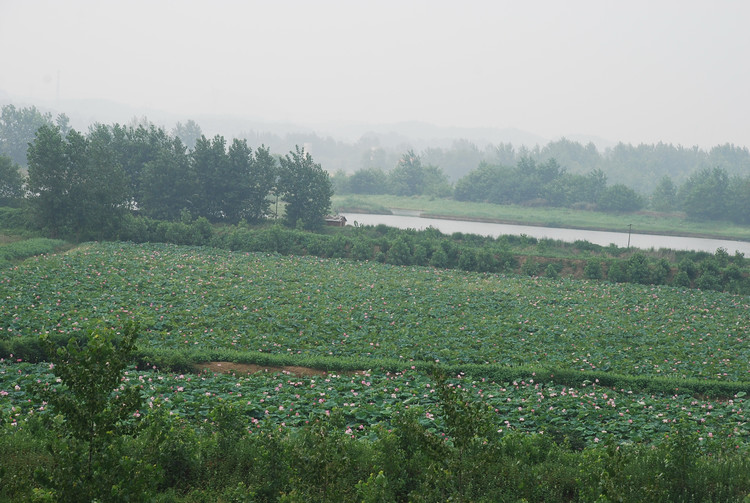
84, 185
164, 174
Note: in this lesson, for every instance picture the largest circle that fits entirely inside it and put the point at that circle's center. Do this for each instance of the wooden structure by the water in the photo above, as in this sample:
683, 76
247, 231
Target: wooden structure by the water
336, 220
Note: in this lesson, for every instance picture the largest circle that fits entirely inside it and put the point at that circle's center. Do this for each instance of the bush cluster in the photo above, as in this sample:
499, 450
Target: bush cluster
472, 253
167, 459
505, 254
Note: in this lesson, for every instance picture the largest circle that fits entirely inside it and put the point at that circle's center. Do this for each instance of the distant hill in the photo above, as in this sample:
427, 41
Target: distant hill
417, 135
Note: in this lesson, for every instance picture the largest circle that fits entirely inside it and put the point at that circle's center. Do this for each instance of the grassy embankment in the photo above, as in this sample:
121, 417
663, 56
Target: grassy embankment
642, 222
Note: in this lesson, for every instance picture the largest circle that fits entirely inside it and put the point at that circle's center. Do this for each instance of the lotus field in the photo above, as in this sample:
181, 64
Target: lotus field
191, 299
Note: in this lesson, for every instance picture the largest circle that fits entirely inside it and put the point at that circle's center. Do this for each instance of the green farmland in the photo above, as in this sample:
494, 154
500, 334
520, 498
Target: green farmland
305, 309
582, 363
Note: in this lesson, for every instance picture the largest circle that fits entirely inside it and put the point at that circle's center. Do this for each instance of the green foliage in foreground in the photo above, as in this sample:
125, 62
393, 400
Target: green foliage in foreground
424, 433
54, 456
220, 462
91, 413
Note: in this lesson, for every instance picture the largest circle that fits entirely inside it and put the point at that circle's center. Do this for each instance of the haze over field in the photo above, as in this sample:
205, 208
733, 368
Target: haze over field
638, 71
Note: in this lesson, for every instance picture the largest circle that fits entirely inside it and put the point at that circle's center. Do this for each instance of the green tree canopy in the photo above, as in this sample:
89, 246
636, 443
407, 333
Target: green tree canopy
169, 183
188, 133
49, 181
211, 165
705, 194
135, 146
305, 188
18, 127
739, 200
261, 181
620, 198
102, 187
77, 186
664, 197
368, 181
407, 178
11, 182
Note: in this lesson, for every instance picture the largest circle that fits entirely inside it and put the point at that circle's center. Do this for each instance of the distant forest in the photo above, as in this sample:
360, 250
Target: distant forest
705, 184
712, 185
639, 167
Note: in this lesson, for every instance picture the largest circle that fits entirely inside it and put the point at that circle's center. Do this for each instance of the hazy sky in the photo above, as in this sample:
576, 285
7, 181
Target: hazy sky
632, 71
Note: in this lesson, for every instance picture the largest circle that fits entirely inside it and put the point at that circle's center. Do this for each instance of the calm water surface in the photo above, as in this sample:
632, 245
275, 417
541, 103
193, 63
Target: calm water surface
643, 241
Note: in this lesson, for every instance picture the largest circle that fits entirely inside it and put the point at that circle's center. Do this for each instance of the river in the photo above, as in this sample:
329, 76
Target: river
642, 241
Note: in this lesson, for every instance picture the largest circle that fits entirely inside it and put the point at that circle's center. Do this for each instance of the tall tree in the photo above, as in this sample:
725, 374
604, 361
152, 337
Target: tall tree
11, 182
236, 192
481, 184
504, 154
169, 183
435, 181
620, 198
368, 181
305, 188
211, 166
664, 197
62, 122
705, 194
135, 146
262, 179
102, 186
49, 181
18, 127
188, 133
77, 187
739, 200
407, 178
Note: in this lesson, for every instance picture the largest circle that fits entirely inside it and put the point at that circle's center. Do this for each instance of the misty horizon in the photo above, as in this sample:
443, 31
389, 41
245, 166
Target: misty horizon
636, 73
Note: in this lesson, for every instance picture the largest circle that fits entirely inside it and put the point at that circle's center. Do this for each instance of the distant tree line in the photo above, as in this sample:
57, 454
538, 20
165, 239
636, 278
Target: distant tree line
711, 185
707, 194
408, 178
85, 185
639, 167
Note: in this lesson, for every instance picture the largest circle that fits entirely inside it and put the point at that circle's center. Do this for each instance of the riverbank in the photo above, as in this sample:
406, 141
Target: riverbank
672, 224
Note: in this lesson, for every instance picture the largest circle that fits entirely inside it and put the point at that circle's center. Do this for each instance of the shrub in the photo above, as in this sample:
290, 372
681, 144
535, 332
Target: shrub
593, 269
91, 421
681, 279
439, 258
637, 269
400, 253
362, 249
467, 261
617, 272
531, 267
420, 255
551, 271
